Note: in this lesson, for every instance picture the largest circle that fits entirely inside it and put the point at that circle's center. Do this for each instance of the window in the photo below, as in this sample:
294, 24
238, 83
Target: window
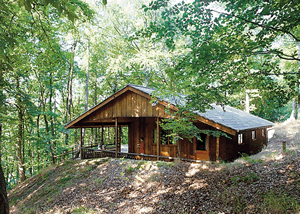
263, 132
165, 137
240, 139
201, 143
253, 135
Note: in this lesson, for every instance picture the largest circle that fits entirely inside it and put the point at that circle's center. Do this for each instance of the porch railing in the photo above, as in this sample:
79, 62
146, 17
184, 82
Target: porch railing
89, 153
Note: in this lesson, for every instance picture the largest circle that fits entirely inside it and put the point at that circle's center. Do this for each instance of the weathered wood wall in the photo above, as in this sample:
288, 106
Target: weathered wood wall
251, 146
129, 104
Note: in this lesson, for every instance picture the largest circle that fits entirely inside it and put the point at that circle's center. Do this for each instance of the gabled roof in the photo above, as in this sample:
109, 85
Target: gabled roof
230, 117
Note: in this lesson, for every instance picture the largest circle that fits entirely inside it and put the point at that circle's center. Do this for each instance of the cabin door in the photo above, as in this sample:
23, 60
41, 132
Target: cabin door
202, 148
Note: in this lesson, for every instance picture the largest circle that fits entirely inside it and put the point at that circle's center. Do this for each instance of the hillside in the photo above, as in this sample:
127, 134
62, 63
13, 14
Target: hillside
264, 183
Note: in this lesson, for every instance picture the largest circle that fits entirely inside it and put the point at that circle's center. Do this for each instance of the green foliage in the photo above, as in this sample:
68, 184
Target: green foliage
129, 169
165, 164
231, 47
82, 210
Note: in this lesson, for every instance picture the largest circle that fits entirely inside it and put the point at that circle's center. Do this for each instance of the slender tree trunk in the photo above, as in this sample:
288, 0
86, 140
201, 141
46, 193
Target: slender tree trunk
20, 134
95, 103
4, 206
247, 104
293, 114
51, 110
69, 92
20, 146
298, 82
49, 142
87, 84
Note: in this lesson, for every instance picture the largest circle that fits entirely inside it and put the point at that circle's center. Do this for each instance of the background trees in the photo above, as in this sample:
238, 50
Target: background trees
232, 45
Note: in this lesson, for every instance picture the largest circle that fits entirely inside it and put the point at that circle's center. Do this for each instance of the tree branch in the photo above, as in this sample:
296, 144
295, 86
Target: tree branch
279, 54
255, 23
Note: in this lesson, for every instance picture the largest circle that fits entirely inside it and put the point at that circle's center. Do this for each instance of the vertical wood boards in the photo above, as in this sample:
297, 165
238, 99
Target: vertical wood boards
130, 138
81, 144
218, 148
102, 130
129, 104
158, 138
116, 136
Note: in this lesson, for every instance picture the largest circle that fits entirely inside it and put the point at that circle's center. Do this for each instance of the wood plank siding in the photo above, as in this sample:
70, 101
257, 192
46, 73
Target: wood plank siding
129, 104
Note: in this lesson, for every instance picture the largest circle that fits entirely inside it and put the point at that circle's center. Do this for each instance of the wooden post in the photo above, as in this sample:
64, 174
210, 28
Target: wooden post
207, 145
120, 138
116, 135
158, 138
81, 143
218, 149
284, 146
101, 144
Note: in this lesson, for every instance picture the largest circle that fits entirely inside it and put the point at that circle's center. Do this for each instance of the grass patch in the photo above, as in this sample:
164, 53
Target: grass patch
129, 168
82, 210
279, 203
66, 179
165, 164
141, 164
246, 157
251, 177
254, 161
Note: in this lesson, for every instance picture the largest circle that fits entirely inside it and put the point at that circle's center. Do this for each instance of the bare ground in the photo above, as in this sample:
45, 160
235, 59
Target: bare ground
264, 183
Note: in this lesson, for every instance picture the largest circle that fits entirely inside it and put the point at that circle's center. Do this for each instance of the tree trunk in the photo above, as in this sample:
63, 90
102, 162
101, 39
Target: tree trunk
49, 142
87, 81
4, 206
51, 110
87, 86
293, 114
69, 92
247, 104
20, 134
298, 82
19, 144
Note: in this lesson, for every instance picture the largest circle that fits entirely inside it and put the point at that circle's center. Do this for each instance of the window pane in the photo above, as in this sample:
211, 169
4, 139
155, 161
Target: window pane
253, 135
240, 138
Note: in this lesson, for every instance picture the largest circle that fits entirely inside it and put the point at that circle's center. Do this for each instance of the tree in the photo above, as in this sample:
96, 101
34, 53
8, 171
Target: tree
31, 68
227, 43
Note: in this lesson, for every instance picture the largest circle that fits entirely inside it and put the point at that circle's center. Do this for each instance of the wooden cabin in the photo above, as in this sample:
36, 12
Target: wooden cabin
132, 107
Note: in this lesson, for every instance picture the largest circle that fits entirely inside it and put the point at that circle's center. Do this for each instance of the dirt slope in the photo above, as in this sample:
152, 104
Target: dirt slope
265, 183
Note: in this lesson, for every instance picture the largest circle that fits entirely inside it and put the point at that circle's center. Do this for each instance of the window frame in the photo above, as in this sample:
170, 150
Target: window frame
205, 143
253, 135
240, 139
163, 134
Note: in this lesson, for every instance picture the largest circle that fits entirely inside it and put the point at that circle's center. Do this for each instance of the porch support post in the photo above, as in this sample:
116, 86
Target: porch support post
81, 143
116, 135
218, 149
207, 145
102, 130
119, 141
157, 137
